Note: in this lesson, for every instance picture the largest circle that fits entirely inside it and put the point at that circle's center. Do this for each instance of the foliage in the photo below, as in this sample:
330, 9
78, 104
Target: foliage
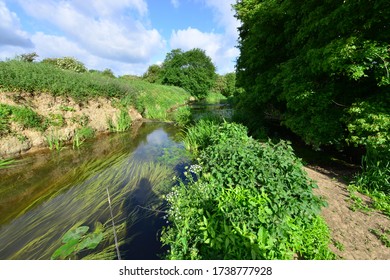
153, 74
25, 116
225, 84
152, 100
54, 141
383, 236
192, 70
313, 64
28, 57
76, 240
123, 122
81, 134
244, 200
43, 77
183, 116
67, 63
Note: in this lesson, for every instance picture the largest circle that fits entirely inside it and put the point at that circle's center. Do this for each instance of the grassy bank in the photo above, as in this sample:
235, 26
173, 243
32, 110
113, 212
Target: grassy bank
57, 105
150, 99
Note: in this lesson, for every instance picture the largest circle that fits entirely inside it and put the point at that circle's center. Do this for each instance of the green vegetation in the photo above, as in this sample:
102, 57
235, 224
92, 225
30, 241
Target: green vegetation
183, 116
76, 240
81, 135
225, 84
322, 70
244, 200
54, 141
22, 115
7, 163
123, 122
67, 63
383, 235
192, 70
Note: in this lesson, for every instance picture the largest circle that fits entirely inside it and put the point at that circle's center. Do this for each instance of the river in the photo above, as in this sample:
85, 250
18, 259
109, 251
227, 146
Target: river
48, 193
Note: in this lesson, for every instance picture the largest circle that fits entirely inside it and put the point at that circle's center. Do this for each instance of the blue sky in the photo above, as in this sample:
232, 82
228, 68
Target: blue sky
124, 35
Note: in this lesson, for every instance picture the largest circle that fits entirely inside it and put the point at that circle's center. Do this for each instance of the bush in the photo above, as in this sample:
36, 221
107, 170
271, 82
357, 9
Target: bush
244, 200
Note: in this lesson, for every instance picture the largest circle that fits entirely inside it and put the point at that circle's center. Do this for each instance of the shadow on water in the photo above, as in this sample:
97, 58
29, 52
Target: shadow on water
143, 224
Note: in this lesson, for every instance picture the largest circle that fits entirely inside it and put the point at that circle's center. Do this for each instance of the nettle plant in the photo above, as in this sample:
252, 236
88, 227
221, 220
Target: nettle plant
250, 200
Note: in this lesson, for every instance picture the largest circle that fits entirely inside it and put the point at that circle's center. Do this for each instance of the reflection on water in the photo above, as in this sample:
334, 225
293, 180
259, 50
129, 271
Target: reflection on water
53, 192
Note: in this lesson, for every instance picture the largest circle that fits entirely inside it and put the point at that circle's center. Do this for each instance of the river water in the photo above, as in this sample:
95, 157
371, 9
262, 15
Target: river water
48, 193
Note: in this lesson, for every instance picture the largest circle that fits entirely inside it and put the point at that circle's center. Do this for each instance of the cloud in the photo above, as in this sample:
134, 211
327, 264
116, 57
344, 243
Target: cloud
102, 30
214, 44
224, 16
11, 33
175, 3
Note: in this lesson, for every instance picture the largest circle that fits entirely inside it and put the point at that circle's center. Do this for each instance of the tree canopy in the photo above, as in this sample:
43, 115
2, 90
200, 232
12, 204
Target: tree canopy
321, 66
192, 70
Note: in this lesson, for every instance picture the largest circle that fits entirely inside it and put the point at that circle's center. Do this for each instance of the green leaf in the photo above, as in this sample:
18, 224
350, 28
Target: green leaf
65, 250
75, 234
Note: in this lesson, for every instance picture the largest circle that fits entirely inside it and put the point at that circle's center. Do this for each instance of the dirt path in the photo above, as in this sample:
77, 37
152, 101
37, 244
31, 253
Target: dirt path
350, 230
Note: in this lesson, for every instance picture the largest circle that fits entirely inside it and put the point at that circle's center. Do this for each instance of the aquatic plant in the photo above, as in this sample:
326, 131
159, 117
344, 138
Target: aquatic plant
82, 201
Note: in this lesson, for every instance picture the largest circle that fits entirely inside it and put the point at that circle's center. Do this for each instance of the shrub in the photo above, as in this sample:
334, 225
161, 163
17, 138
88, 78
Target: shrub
245, 200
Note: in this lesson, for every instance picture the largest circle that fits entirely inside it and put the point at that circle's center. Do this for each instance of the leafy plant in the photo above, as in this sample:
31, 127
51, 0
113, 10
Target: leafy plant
183, 116
245, 200
81, 135
54, 141
76, 240
123, 122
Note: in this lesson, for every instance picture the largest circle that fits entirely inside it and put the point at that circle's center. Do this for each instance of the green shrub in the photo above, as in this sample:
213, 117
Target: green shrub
183, 116
244, 200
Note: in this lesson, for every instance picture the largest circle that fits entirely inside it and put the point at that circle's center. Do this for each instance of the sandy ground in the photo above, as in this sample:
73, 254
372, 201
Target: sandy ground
350, 230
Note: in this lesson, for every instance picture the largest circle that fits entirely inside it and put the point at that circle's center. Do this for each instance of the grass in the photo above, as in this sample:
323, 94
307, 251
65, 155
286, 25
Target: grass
383, 236
152, 100
122, 123
7, 163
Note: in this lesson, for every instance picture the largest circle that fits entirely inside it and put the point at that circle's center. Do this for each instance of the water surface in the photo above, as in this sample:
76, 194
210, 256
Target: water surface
49, 193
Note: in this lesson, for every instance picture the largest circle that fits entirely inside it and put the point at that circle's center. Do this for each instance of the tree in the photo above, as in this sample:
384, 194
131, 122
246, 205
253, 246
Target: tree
67, 63
225, 84
28, 57
192, 70
312, 62
152, 75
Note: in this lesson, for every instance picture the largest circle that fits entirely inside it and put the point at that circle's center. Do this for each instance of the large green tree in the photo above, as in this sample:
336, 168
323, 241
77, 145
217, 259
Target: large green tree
322, 67
192, 70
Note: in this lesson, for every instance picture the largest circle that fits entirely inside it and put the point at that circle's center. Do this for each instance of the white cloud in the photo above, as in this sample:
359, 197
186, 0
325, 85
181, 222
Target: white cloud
100, 30
175, 3
214, 44
10, 31
224, 16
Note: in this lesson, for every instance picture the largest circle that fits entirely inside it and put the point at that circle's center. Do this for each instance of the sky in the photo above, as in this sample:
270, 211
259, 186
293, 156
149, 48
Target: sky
125, 36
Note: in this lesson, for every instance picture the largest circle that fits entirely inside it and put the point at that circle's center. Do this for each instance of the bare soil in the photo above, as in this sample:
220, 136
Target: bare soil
351, 231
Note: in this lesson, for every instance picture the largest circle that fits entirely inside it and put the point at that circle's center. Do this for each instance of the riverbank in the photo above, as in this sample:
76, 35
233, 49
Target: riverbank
42, 106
